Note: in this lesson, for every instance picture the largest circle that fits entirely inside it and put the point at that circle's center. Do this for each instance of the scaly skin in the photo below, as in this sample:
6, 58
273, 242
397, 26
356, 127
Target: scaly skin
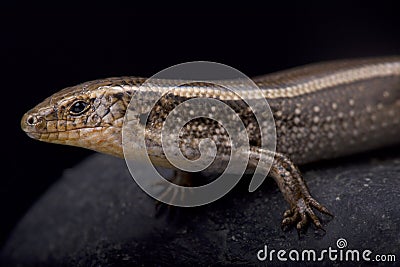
321, 111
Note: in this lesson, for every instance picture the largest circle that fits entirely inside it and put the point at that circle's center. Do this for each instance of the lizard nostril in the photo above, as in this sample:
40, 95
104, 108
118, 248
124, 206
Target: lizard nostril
31, 123
31, 120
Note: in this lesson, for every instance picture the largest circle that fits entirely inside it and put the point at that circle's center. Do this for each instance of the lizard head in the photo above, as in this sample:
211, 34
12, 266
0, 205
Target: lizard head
88, 115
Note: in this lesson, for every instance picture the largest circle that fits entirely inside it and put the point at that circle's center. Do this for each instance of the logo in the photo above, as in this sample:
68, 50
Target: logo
160, 113
340, 253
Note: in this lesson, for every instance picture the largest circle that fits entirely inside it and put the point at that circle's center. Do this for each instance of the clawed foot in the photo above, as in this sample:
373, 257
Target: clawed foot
169, 193
301, 212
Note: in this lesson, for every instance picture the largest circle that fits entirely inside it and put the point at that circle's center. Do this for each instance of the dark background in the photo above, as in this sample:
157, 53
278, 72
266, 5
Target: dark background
45, 49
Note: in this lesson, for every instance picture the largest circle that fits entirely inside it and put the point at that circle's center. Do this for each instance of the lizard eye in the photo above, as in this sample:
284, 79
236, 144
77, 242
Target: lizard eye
78, 108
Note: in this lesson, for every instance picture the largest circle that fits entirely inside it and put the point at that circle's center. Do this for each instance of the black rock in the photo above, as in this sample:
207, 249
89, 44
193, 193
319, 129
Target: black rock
96, 215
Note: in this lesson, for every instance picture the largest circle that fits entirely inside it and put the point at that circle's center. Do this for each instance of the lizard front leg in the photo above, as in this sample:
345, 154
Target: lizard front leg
294, 190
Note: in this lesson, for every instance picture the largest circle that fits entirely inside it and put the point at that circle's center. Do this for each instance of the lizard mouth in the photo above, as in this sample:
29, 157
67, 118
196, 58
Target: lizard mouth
33, 135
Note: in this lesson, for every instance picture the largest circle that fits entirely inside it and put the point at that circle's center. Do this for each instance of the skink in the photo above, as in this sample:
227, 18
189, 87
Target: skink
321, 111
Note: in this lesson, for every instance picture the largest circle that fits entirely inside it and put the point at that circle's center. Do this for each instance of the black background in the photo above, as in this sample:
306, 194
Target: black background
44, 49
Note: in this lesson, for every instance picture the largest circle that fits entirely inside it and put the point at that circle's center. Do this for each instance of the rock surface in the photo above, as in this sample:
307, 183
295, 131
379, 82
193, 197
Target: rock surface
96, 215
